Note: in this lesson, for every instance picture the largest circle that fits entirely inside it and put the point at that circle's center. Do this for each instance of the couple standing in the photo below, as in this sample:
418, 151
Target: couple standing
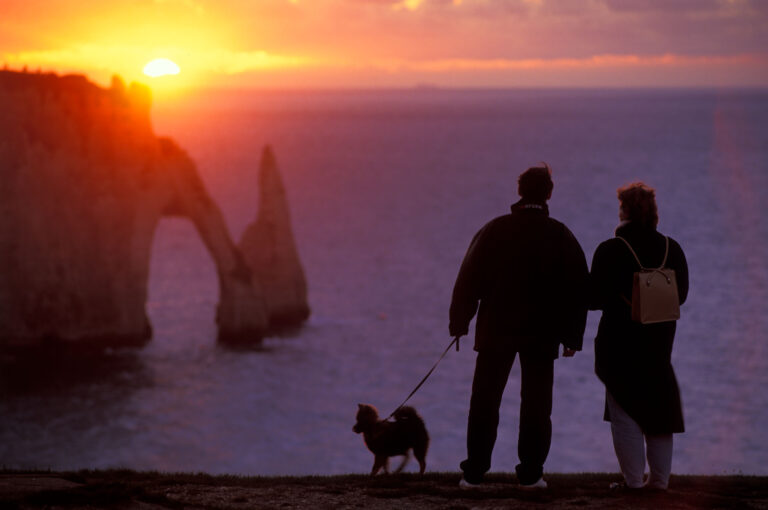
528, 274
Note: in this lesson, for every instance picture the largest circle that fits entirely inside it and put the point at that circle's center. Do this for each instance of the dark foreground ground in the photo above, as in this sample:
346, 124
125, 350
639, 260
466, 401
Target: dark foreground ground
148, 491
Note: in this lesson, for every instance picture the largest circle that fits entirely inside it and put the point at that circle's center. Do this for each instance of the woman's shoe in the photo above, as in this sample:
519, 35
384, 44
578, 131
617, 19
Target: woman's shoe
622, 486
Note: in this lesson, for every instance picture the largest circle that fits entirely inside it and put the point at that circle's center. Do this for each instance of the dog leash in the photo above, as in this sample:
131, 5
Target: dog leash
454, 341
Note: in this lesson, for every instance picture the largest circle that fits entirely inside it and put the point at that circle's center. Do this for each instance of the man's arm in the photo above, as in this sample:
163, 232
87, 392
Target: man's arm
467, 289
575, 294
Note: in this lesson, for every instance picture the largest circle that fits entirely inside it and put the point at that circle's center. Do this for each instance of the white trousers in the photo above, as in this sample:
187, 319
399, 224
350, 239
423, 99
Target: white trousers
632, 447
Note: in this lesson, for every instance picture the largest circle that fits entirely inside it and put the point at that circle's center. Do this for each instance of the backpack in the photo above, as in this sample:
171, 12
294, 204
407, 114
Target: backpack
654, 291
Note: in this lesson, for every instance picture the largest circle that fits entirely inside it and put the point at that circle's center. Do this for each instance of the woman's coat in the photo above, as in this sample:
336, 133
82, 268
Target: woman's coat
633, 360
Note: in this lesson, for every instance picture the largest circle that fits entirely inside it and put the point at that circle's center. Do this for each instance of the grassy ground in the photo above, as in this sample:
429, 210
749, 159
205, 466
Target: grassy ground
147, 491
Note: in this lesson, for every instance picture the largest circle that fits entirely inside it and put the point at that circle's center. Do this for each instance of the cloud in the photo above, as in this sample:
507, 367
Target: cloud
596, 61
242, 36
666, 6
410, 5
99, 61
230, 62
194, 5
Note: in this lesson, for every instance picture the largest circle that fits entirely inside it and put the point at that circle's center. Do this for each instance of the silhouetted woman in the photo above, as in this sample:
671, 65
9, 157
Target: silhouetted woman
633, 360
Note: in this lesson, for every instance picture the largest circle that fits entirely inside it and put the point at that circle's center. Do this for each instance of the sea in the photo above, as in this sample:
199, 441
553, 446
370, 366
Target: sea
386, 189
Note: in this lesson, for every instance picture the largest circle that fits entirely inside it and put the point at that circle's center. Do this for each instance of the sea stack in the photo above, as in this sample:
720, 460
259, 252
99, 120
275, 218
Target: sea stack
84, 182
270, 251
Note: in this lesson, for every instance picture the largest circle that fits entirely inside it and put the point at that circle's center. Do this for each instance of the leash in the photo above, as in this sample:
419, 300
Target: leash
454, 341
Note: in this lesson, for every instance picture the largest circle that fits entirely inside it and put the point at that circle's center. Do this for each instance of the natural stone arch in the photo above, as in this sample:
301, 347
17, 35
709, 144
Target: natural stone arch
84, 184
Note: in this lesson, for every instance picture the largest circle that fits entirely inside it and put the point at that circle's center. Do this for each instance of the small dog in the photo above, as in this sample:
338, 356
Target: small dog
390, 438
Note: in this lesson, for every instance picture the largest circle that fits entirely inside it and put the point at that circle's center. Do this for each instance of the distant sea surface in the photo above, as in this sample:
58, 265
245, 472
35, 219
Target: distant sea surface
386, 190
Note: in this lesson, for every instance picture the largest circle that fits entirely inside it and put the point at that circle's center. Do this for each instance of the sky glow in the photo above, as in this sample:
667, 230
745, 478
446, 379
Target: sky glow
397, 43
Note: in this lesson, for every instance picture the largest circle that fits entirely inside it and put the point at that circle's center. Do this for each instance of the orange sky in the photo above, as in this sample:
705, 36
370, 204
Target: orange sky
394, 43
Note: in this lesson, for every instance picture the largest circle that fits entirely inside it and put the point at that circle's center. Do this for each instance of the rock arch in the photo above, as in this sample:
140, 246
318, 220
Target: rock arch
83, 184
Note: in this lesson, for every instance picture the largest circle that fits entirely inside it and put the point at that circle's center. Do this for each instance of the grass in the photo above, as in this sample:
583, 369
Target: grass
152, 490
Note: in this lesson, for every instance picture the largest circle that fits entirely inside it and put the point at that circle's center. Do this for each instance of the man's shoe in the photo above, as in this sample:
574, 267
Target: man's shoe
540, 484
464, 484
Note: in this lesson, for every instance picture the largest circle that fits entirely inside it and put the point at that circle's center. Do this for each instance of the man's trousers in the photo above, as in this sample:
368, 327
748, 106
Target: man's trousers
535, 433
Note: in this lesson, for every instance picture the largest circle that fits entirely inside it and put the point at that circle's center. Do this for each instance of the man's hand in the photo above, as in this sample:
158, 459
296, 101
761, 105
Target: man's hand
568, 353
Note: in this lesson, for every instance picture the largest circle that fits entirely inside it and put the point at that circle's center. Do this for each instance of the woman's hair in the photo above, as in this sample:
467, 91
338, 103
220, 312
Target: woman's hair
638, 203
535, 184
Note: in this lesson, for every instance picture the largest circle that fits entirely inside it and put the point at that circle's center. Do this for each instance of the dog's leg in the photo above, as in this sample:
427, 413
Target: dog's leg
421, 456
378, 462
404, 462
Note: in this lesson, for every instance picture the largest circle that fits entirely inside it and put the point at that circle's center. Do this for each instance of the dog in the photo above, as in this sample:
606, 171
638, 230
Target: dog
387, 439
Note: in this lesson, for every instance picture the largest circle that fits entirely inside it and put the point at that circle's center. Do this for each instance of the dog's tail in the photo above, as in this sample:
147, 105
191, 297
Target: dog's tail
407, 413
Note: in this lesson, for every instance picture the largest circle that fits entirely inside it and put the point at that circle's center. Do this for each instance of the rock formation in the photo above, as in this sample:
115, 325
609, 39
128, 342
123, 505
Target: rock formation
269, 250
83, 184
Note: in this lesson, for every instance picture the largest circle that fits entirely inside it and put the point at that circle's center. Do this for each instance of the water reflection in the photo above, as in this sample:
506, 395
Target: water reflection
62, 403
60, 370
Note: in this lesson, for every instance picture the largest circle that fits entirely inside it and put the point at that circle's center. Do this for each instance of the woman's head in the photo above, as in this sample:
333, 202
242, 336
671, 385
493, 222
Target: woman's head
637, 203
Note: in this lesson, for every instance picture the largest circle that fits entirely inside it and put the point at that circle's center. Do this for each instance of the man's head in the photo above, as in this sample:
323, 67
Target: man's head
535, 184
637, 203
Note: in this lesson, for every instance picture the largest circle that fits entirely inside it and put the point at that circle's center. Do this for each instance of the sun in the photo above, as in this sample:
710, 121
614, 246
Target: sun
161, 67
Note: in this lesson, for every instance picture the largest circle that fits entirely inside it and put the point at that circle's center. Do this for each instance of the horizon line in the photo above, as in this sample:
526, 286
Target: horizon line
431, 87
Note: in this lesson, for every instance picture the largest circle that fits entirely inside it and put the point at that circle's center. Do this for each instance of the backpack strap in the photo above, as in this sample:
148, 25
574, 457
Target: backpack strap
666, 252
642, 268
633, 252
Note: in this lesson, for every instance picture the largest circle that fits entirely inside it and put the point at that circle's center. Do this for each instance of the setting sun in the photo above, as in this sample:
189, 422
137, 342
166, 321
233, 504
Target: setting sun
161, 67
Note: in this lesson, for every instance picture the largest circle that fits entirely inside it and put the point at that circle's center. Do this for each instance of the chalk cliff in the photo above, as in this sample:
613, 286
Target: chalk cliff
269, 250
84, 182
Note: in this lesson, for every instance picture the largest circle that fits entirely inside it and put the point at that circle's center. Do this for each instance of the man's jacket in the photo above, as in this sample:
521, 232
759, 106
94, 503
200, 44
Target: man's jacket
529, 276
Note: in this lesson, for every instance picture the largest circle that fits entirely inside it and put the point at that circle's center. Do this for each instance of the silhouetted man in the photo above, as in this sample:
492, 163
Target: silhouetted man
529, 276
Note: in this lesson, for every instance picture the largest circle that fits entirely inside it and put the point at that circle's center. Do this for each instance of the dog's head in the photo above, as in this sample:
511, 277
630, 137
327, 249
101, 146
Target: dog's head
367, 416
